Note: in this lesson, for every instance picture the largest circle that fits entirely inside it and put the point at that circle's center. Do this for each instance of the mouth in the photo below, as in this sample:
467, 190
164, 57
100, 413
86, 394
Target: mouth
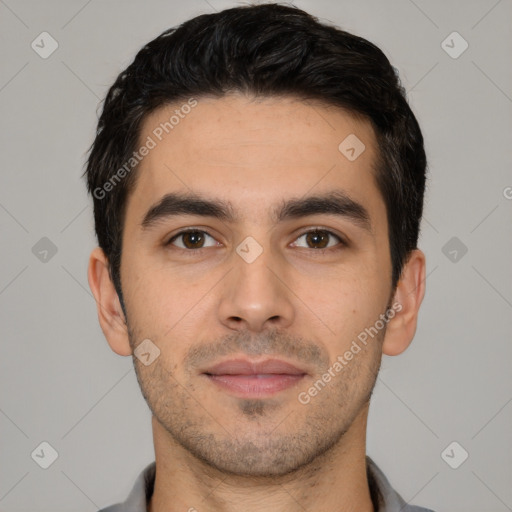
249, 379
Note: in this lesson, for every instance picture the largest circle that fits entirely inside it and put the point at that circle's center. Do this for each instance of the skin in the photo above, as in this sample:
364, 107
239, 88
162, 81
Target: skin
215, 451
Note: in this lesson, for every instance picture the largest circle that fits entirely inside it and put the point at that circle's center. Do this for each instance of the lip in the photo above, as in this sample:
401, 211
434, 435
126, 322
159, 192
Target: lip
248, 367
250, 379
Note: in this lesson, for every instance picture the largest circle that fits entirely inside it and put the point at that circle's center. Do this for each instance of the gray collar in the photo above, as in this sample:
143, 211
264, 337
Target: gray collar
384, 497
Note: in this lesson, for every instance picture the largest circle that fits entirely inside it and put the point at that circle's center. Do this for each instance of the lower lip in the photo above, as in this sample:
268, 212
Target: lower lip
255, 386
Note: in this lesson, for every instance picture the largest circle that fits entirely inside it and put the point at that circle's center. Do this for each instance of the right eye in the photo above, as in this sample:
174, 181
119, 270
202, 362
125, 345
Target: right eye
191, 239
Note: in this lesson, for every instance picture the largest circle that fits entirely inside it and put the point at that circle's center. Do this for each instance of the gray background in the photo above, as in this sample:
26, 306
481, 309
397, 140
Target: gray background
60, 382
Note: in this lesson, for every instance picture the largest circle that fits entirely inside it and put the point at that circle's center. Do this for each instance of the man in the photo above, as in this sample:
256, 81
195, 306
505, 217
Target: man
258, 182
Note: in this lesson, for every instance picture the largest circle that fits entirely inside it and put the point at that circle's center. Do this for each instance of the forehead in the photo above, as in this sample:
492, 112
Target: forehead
254, 152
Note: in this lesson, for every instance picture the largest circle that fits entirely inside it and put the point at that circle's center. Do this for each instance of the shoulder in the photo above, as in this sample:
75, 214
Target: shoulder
140, 493
384, 496
413, 508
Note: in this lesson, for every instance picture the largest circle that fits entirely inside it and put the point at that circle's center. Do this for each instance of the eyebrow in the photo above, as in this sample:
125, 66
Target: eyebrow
333, 203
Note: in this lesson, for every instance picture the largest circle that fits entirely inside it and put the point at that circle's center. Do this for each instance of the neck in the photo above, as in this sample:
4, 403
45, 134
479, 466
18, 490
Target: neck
335, 480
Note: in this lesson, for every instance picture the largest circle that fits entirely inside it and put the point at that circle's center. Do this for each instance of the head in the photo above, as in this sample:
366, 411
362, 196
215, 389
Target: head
257, 122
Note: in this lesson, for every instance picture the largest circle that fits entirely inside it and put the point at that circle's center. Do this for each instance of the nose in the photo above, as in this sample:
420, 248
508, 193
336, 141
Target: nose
255, 295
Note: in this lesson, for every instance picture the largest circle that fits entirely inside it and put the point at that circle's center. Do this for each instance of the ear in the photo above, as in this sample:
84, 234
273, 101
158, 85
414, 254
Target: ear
110, 313
406, 303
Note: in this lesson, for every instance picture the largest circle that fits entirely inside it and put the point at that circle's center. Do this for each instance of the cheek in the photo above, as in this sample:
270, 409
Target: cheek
345, 304
167, 305
149, 297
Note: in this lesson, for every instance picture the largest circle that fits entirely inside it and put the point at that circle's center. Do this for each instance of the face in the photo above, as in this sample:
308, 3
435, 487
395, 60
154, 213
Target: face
284, 262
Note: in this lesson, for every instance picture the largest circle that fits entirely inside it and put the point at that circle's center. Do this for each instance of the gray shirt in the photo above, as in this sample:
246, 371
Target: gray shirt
384, 497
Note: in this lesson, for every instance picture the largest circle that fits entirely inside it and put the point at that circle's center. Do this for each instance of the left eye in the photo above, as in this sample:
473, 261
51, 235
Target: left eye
319, 238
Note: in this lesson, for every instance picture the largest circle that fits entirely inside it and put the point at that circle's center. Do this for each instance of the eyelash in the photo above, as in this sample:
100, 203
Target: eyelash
342, 243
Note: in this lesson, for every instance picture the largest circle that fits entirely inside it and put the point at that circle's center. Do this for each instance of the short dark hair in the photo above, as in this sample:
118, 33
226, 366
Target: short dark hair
268, 50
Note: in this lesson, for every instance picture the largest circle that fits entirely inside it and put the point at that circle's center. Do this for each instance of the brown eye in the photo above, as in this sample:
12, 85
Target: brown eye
191, 239
319, 239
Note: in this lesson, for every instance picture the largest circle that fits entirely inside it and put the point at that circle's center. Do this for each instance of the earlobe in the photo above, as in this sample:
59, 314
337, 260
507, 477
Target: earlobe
407, 300
110, 313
